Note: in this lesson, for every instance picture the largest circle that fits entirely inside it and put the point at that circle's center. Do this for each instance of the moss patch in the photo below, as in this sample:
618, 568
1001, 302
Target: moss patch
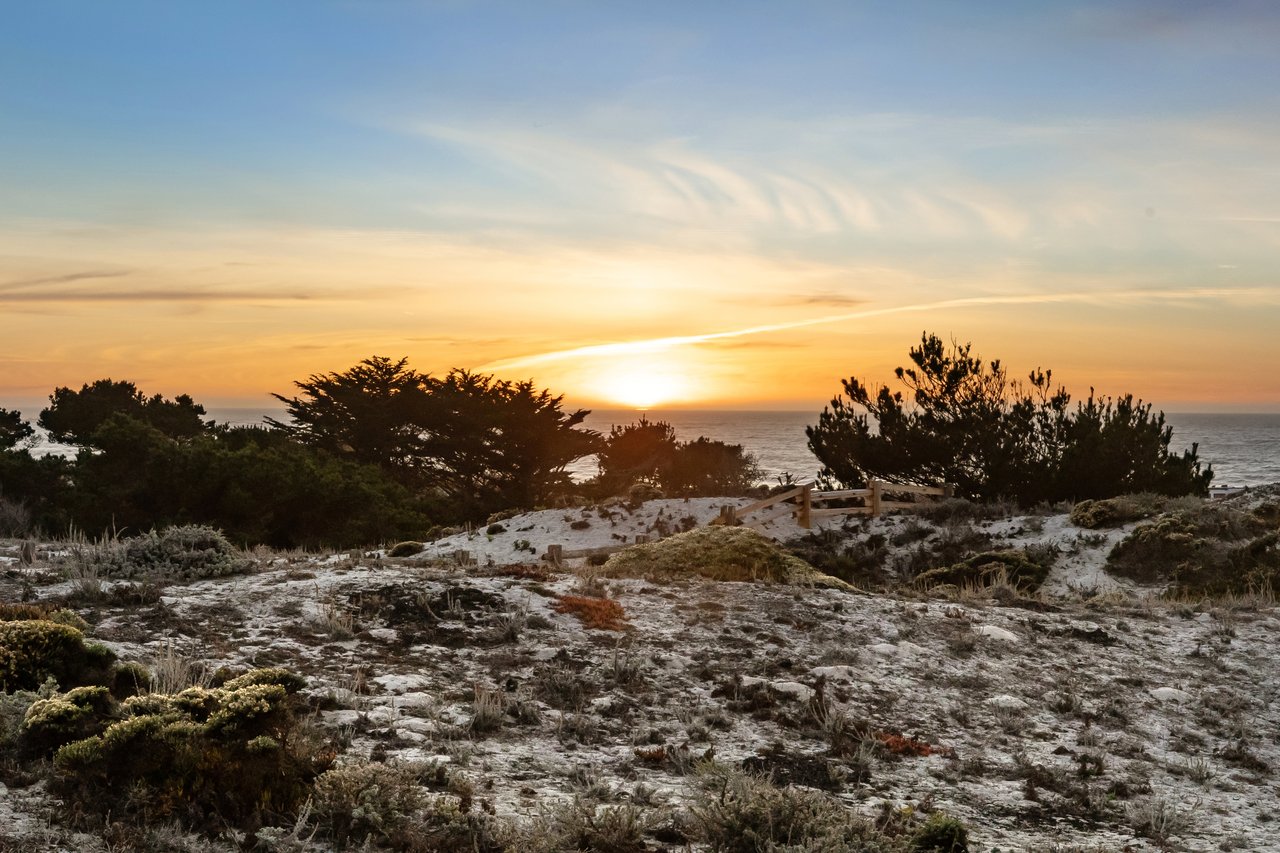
718, 553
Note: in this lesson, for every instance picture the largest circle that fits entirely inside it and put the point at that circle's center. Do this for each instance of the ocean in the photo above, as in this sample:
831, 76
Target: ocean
1244, 449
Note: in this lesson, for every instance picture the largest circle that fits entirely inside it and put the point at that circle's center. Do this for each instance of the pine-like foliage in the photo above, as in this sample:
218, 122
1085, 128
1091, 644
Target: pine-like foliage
962, 421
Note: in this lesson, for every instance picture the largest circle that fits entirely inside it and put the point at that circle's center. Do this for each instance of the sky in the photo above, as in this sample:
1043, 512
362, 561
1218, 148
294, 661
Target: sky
687, 204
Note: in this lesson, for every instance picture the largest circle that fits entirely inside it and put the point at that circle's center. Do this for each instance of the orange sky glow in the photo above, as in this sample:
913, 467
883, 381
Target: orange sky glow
658, 210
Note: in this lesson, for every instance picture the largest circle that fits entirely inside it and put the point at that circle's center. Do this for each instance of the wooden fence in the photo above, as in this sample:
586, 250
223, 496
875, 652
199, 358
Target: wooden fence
805, 504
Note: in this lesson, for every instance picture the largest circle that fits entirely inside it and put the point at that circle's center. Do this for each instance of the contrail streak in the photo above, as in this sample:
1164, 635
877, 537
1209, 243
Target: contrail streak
656, 344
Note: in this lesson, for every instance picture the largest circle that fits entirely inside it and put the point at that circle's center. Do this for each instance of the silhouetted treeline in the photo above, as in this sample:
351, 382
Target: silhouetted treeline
376, 453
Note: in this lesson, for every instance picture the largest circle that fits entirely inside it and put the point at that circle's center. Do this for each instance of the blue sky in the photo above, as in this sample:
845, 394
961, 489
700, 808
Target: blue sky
449, 180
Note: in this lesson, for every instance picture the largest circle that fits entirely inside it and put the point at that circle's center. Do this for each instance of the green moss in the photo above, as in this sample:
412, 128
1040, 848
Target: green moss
718, 553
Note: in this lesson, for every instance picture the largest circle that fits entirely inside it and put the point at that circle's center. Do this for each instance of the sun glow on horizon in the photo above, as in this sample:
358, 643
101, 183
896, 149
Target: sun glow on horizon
644, 383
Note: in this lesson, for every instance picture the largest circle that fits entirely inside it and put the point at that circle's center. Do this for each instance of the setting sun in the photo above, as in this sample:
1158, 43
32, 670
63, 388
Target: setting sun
643, 383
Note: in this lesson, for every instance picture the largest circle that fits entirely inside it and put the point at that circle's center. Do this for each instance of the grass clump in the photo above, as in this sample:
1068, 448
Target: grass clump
718, 553
1014, 567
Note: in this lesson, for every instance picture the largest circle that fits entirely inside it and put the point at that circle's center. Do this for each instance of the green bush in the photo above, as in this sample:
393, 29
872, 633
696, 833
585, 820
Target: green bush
363, 800
1113, 512
941, 834
77, 714
964, 421
207, 757
182, 552
408, 548
1211, 551
1013, 567
34, 650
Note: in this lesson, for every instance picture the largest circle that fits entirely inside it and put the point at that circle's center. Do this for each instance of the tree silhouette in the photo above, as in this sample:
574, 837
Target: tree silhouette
74, 416
477, 442
963, 421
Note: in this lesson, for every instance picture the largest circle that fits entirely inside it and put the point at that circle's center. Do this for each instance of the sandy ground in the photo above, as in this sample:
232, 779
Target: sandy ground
1071, 721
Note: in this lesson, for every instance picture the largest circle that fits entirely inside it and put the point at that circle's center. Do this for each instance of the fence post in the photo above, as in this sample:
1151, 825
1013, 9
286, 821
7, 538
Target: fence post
554, 555
875, 498
806, 505
727, 516
948, 490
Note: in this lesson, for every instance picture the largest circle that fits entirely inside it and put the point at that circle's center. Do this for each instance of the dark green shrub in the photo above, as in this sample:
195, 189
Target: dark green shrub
1113, 512
77, 714
1013, 567
1210, 551
182, 552
941, 834
207, 757
963, 421
406, 549
33, 650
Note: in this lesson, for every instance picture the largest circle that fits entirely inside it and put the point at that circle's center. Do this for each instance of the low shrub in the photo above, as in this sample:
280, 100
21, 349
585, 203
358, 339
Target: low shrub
1113, 512
36, 649
1211, 551
405, 549
740, 813
79, 713
42, 610
184, 552
941, 834
1014, 567
860, 562
208, 757
365, 800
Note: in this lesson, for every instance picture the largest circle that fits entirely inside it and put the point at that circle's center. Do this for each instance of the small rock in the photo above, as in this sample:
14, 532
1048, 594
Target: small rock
886, 649
1004, 700
836, 673
794, 688
1171, 694
997, 633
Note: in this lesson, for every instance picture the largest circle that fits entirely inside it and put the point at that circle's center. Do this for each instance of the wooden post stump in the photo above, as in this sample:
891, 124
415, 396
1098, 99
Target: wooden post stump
554, 555
27, 556
803, 514
875, 498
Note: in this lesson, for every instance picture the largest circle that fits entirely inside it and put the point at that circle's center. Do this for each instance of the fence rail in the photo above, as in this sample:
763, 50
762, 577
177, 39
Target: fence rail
801, 502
